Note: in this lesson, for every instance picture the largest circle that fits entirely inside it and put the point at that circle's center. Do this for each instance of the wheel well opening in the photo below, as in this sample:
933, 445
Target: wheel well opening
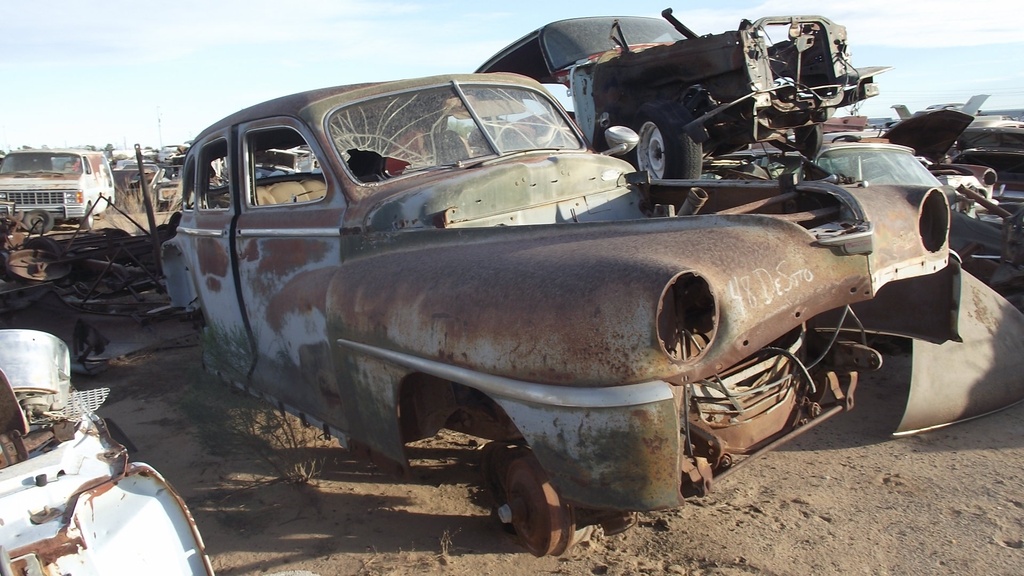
427, 404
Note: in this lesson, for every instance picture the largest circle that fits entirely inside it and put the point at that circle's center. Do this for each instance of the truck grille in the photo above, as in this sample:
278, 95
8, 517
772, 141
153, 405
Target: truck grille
41, 197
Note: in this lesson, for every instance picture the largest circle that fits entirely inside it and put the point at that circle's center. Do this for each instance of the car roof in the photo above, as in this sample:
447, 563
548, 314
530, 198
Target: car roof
560, 44
865, 144
314, 103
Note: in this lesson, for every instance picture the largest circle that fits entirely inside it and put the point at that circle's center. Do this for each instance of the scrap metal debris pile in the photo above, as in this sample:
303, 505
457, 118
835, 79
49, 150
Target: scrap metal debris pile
70, 499
84, 264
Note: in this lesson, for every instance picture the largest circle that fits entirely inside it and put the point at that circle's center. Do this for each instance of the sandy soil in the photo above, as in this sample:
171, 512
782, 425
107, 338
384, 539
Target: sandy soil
843, 499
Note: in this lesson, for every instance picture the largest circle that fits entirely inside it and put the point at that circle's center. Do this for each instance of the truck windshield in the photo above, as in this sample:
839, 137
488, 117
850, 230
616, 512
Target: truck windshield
41, 162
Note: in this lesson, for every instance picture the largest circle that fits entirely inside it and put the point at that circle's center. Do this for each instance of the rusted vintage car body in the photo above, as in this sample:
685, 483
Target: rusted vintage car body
687, 94
531, 292
160, 181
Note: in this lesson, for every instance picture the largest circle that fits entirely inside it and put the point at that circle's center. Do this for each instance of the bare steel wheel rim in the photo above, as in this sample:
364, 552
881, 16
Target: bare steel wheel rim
35, 264
651, 150
543, 523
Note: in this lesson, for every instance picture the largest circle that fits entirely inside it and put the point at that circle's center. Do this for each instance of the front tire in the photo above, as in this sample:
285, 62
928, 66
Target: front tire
86, 222
38, 222
807, 140
665, 149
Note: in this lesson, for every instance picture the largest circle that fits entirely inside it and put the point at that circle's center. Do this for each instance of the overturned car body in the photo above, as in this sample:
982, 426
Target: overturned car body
455, 257
688, 95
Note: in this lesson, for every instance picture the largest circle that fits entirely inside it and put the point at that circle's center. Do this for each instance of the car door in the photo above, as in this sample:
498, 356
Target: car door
206, 238
287, 249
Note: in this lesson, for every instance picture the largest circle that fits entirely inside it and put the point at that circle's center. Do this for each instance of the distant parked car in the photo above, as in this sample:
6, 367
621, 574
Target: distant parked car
1000, 148
163, 183
167, 153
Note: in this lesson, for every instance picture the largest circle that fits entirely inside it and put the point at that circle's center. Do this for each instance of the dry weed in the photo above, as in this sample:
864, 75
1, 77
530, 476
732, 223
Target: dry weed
228, 421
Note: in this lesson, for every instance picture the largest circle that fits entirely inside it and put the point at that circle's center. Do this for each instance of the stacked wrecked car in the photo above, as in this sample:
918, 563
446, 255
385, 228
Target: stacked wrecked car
689, 95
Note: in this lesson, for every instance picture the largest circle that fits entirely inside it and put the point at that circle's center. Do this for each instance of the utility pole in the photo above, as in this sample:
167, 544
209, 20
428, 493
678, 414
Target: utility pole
159, 130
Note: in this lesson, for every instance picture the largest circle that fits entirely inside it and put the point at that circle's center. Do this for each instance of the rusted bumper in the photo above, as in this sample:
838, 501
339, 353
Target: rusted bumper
978, 372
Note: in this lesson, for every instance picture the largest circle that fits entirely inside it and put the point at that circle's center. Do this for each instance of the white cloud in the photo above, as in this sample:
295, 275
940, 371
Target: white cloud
906, 24
124, 32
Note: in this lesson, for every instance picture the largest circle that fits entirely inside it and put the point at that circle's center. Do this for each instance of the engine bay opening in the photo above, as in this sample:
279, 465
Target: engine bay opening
729, 402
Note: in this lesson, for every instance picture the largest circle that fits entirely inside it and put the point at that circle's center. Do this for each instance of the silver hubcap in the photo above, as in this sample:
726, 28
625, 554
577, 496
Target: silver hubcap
650, 152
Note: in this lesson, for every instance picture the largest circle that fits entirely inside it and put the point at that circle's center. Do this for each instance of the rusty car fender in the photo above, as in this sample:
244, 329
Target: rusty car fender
967, 358
466, 302
623, 452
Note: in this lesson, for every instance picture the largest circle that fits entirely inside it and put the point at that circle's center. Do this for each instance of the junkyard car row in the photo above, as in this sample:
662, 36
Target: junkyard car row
386, 260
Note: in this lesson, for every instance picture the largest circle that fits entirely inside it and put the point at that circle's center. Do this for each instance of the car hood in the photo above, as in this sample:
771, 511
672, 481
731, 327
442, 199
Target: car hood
514, 186
931, 135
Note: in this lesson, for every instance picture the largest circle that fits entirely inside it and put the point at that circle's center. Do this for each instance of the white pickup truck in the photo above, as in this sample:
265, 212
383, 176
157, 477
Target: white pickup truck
56, 185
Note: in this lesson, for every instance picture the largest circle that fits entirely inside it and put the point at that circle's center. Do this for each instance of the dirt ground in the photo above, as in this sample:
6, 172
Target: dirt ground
843, 499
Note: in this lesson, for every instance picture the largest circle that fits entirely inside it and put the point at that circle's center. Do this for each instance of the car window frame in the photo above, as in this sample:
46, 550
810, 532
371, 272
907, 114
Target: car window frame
247, 129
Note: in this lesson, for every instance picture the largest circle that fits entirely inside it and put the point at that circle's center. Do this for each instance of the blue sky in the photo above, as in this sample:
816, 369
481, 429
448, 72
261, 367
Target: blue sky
77, 73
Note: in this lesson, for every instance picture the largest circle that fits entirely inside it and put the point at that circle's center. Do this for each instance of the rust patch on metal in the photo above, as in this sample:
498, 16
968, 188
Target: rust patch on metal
304, 293
283, 256
251, 252
213, 257
51, 549
644, 421
213, 284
